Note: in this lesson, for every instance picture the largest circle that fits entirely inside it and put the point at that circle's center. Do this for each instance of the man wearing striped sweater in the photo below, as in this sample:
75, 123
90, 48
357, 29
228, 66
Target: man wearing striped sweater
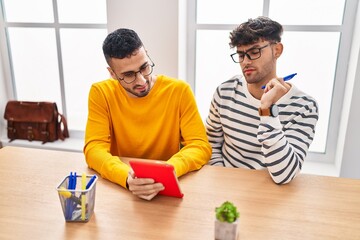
258, 120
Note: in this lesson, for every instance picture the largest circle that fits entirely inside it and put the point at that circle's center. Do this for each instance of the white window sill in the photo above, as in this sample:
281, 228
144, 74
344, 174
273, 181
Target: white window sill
72, 144
317, 168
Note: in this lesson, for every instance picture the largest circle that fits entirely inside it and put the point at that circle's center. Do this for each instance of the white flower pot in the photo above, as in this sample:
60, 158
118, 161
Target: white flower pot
225, 230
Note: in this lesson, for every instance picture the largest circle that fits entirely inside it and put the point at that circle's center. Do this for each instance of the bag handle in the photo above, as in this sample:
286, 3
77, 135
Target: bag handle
62, 134
29, 103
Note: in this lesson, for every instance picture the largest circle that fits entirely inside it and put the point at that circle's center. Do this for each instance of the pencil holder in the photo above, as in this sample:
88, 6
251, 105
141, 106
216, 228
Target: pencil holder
77, 197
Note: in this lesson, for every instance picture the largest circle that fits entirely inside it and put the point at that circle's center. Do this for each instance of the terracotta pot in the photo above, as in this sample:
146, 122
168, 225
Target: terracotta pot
225, 230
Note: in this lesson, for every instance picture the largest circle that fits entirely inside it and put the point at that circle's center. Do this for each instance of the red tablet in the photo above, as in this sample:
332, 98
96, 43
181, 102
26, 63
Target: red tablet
161, 172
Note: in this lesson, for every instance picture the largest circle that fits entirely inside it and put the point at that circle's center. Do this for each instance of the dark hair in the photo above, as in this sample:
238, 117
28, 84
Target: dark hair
255, 29
121, 43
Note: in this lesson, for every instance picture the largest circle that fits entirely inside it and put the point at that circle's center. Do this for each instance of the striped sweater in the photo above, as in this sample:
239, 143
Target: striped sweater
241, 138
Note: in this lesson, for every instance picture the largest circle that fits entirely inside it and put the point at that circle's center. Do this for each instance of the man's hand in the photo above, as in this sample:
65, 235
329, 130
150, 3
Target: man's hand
144, 188
274, 90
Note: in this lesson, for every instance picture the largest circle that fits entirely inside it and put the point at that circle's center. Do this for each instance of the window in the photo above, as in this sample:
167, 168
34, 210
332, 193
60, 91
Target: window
314, 47
55, 52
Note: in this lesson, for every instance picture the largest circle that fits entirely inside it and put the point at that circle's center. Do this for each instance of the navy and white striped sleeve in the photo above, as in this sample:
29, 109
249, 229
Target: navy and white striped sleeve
285, 144
214, 130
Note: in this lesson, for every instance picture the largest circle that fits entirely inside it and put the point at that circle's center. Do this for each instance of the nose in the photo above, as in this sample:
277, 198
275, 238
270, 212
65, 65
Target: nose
246, 59
139, 79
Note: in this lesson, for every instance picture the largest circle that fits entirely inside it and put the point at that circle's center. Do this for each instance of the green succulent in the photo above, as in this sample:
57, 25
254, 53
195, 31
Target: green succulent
227, 212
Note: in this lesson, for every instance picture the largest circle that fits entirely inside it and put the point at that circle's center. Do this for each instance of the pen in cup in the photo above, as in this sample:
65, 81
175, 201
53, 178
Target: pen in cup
69, 195
70, 204
83, 197
286, 78
90, 181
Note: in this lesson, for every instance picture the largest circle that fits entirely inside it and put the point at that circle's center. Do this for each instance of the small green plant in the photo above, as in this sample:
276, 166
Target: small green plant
227, 212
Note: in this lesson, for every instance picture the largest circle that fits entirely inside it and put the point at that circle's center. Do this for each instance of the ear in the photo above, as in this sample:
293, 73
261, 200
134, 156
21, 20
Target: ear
112, 74
278, 49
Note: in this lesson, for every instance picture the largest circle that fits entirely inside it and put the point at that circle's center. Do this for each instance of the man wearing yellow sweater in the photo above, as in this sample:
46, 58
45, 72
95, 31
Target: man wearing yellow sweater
141, 115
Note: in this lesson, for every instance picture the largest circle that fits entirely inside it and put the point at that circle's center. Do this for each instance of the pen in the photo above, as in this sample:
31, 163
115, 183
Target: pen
74, 181
83, 197
69, 195
73, 187
68, 211
70, 205
287, 78
90, 181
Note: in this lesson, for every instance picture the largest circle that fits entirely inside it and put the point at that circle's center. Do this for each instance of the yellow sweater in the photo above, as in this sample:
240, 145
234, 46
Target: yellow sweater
150, 127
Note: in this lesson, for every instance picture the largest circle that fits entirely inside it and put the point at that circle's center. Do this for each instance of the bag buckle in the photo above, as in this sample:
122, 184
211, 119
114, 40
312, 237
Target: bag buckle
30, 134
11, 129
45, 133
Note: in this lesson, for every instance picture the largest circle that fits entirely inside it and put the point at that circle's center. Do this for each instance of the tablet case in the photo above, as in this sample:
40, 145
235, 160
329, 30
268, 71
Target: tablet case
159, 171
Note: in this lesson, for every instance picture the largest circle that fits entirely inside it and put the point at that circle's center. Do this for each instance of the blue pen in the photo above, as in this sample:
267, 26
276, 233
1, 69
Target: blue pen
90, 182
74, 182
71, 205
73, 188
287, 78
68, 211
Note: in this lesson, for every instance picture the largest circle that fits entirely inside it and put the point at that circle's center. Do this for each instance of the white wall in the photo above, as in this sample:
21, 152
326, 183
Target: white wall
3, 98
157, 24
350, 165
348, 156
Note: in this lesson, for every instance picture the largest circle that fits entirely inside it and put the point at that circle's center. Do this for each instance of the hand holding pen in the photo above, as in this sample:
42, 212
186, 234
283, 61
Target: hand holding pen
274, 90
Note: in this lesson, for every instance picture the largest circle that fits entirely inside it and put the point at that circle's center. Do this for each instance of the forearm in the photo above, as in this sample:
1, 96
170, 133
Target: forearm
282, 159
108, 166
191, 157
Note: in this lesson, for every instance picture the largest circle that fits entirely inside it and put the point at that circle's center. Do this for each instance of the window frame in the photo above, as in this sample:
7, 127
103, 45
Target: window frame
56, 25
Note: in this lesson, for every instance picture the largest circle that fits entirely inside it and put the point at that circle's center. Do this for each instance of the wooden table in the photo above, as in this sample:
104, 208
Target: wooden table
311, 207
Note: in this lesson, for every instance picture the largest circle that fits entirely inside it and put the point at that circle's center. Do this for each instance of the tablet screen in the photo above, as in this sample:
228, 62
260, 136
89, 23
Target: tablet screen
161, 172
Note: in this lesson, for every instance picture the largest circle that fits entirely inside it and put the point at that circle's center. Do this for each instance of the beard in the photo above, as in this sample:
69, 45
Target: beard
134, 90
259, 74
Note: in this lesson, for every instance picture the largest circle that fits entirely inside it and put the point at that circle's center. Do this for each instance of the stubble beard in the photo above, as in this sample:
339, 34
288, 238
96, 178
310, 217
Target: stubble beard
141, 93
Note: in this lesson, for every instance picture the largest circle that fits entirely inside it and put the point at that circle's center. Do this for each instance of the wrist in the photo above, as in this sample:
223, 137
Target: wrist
265, 105
127, 184
272, 111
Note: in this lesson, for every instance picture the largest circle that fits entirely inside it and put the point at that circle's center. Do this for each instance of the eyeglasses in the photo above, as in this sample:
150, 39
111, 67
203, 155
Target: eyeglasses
130, 77
251, 54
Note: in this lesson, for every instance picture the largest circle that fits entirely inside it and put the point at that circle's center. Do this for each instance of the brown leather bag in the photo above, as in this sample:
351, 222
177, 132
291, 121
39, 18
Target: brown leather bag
35, 121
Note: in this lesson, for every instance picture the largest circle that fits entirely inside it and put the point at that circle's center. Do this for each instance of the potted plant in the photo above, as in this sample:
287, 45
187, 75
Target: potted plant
226, 222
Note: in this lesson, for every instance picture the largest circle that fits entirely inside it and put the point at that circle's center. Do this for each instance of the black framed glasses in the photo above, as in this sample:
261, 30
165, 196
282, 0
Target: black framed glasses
251, 54
130, 77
